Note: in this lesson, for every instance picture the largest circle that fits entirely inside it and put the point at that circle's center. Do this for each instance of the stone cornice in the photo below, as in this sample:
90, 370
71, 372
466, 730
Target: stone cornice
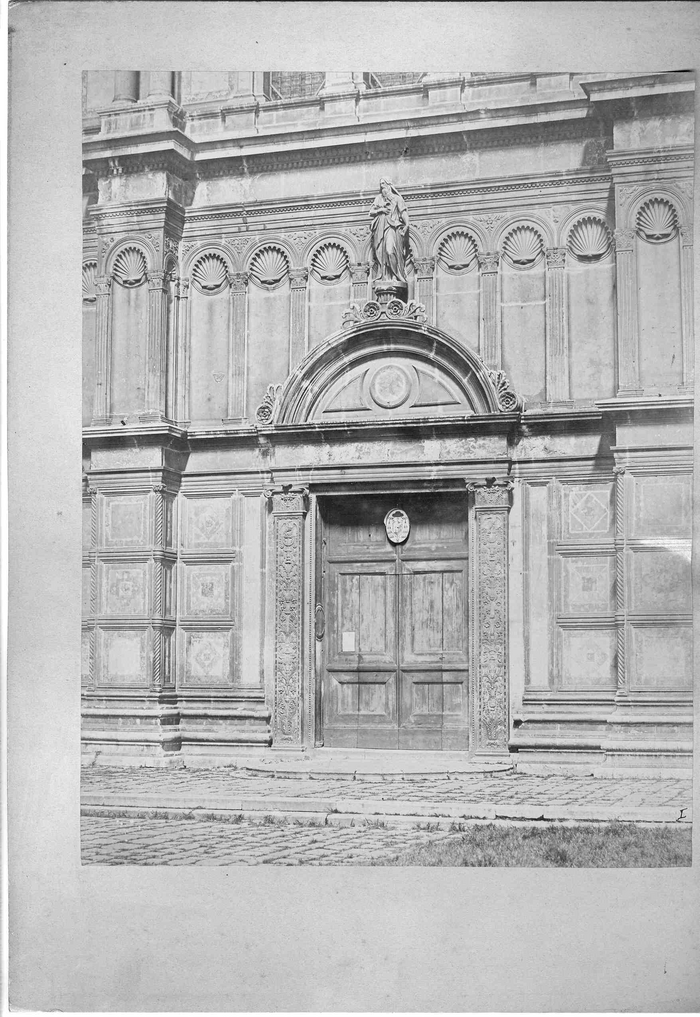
651, 156
629, 86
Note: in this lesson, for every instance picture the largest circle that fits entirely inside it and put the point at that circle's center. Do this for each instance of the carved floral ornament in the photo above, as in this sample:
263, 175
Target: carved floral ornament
130, 267
372, 310
657, 220
210, 273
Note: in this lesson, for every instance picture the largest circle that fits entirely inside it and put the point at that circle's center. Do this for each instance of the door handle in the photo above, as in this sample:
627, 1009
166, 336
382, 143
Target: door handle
320, 621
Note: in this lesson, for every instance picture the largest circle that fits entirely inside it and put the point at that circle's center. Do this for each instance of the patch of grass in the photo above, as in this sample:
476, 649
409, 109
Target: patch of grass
599, 845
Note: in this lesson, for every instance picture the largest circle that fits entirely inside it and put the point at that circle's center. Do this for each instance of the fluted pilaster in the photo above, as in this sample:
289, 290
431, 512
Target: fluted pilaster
236, 351
298, 279
156, 345
490, 312
558, 384
103, 351
627, 314
359, 275
687, 306
425, 275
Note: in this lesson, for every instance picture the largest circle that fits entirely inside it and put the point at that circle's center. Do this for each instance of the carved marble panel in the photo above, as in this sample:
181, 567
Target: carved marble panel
207, 591
662, 657
492, 618
123, 657
660, 582
587, 511
427, 450
588, 585
208, 523
207, 659
125, 520
124, 588
661, 506
288, 618
588, 659
87, 524
87, 590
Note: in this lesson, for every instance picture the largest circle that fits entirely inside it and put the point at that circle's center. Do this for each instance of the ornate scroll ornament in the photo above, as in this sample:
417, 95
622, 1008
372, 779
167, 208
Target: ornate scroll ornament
130, 267
374, 311
89, 290
239, 244
210, 274
457, 252
269, 266
657, 220
508, 400
493, 491
589, 239
266, 410
288, 649
397, 526
329, 262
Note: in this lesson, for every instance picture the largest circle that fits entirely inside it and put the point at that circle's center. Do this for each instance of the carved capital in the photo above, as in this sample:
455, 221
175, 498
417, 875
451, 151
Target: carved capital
238, 281
289, 500
158, 488
103, 284
492, 492
359, 272
424, 267
556, 257
686, 236
298, 278
619, 471
182, 288
488, 262
156, 280
624, 240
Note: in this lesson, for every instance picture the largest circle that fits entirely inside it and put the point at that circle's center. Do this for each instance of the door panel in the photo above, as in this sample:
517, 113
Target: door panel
396, 644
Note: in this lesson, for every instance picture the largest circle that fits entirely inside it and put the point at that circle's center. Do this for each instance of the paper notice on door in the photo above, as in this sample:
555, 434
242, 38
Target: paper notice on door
348, 642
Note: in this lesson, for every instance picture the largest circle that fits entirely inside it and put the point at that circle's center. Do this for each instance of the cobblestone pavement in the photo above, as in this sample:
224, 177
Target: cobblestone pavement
501, 789
107, 841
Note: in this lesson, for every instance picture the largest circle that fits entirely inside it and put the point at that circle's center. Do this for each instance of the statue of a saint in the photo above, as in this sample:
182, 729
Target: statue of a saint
389, 218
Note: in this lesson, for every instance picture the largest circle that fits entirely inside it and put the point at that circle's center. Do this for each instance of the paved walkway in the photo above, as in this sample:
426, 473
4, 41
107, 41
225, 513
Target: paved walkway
223, 816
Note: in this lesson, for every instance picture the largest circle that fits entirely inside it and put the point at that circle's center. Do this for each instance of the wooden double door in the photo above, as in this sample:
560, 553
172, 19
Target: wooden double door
394, 646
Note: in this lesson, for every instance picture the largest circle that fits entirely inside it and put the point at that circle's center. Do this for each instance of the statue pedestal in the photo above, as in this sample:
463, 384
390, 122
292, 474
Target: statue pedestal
384, 292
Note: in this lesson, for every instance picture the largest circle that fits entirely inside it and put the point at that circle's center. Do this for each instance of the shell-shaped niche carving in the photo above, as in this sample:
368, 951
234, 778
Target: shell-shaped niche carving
210, 273
457, 252
130, 267
657, 220
89, 272
269, 266
329, 262
589, 239
523, 246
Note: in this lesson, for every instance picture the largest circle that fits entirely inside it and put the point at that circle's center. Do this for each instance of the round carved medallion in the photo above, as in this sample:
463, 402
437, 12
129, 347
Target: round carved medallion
397, 526
390, 387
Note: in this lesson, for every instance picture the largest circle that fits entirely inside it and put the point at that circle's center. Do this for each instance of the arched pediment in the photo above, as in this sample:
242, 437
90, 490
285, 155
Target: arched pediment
384, 368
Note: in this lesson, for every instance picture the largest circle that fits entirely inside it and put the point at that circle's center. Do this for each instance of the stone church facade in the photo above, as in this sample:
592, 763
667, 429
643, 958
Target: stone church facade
320, 515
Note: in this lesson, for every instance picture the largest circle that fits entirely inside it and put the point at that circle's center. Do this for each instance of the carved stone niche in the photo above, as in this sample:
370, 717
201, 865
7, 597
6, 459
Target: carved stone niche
385, 369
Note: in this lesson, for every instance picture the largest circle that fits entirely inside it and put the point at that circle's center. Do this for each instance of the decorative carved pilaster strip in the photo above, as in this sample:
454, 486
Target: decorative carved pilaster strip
425, 273
491, 507
687, 305
182, 356
620, 589
556, 323
490, 312
159, 529
298, 278
157, 660
289, 509
627, 314
156, 345
237, 341
103, 351
359, 275
92, 491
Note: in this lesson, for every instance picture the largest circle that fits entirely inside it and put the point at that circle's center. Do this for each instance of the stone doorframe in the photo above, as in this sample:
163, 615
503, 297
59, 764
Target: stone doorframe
294, 651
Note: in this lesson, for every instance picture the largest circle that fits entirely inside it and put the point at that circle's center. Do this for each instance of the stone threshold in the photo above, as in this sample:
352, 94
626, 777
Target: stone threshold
155, 806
